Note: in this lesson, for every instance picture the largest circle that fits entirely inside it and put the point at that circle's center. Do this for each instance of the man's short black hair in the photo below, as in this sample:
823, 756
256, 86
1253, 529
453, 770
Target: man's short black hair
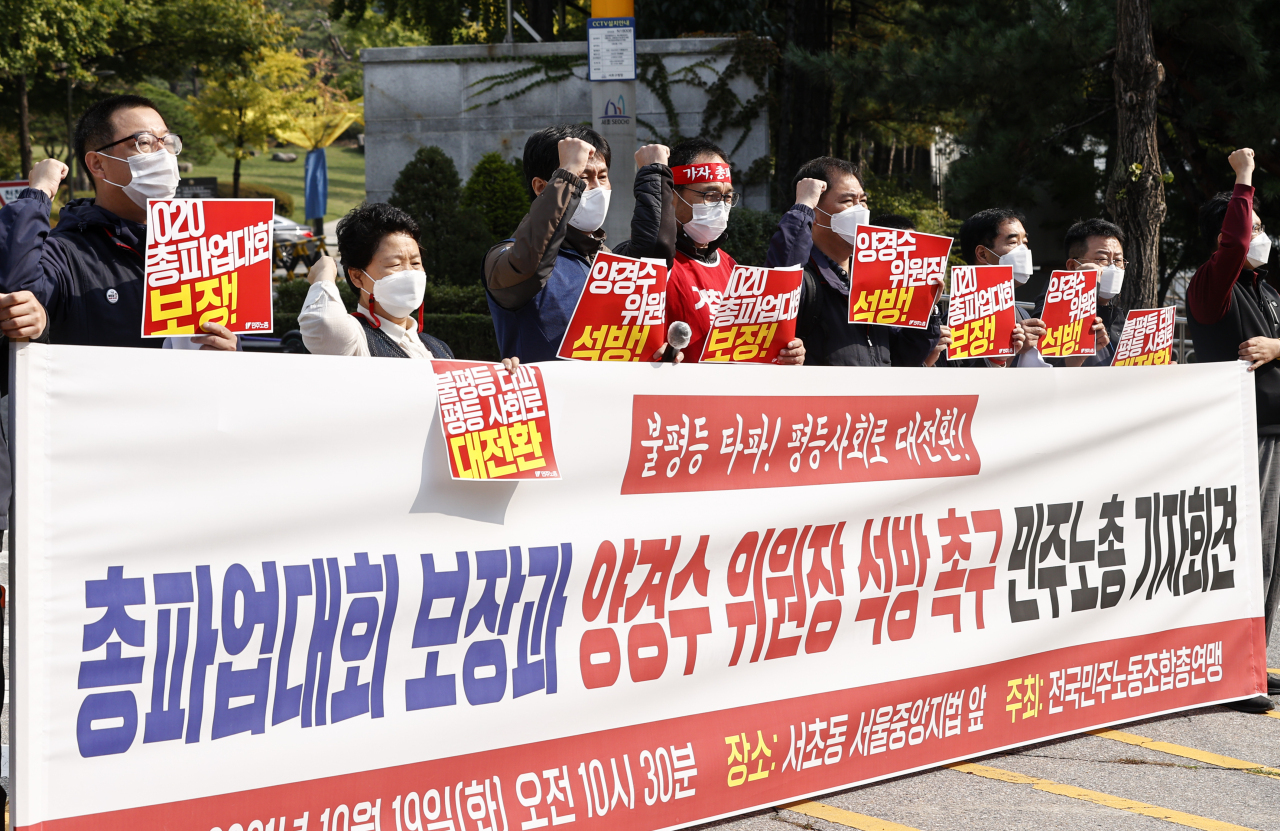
1212, 215
1078, 235
542, 153
687, 151
824, 169
898, 221
95, 128
982, 229
362, 230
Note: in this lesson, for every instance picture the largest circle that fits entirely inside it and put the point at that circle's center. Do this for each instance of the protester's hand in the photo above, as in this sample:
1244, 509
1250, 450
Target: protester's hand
657, 356
1019, 338
792, 355
48, 174
652, 154
1101, 337
324, 271
21, 315
1260, 351
1033, 329
510, 364
1242, 163
938, 351
219, 337
809, 191
574, 155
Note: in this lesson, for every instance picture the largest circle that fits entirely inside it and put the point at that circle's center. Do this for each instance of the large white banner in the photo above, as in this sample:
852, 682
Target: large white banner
250, 597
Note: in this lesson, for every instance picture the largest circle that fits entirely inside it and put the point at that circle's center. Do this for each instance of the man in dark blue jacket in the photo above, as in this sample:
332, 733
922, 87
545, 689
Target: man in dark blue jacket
87, 273
810, 234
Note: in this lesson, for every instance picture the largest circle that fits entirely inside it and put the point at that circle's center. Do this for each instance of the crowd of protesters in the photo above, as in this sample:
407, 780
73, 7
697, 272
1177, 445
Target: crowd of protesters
81, 282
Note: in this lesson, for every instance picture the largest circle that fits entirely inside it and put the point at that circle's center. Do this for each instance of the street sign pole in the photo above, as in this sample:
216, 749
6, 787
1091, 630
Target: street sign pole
611, 51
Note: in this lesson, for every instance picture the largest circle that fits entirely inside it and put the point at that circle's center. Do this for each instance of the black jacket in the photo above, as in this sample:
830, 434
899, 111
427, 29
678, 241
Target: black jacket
1254, 312
823, 323
87, 272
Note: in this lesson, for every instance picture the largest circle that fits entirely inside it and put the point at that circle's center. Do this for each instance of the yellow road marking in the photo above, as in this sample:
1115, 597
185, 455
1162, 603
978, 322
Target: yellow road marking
1120, 803
840, 816
1272, 713
1186, 752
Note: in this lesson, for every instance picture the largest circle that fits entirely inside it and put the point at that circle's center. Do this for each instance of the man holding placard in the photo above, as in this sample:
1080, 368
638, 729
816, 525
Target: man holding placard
819, 232
1234, 314
534, 279
88, 272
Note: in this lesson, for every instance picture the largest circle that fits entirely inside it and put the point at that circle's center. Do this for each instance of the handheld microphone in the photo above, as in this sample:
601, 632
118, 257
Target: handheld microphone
678, 336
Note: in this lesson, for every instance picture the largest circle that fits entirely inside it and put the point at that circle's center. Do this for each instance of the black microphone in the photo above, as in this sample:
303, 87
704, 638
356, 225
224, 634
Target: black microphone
678, 336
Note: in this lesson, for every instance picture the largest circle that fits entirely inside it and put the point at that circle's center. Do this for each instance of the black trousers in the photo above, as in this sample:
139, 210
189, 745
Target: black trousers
1269, 496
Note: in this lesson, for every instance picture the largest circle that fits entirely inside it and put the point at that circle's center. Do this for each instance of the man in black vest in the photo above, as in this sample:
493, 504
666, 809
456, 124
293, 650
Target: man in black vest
1233, 314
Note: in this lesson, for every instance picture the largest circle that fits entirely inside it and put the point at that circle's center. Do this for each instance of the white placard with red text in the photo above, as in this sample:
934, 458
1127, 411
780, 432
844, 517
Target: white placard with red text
353, 637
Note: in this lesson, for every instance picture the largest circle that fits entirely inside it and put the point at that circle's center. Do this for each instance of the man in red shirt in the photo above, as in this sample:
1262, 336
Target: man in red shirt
700, 271
1233, 314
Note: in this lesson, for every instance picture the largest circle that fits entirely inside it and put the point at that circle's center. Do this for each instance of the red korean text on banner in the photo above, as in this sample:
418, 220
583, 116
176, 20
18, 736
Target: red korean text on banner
682, 443
897, 276
756, 318
495, 422
981, 312
208, 261
620, 313
1147, 338
1069, 308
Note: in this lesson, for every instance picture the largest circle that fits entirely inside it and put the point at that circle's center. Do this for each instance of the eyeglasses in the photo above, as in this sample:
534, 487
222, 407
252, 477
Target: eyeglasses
1105, 260
715, 197
147, 143
1259, 229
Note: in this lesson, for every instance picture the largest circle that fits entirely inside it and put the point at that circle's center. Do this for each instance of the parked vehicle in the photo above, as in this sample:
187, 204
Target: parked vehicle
295, 244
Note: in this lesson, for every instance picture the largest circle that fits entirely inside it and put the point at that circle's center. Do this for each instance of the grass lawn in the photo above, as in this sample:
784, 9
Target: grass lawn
346, 177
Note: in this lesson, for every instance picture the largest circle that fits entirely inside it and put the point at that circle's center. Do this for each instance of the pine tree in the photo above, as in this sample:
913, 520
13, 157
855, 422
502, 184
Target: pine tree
454, 241
497, 193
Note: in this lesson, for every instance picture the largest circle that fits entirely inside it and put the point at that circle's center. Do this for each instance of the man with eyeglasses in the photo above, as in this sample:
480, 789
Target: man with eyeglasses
818, 233
700, 269
1234, 314
87, 273
1098, 245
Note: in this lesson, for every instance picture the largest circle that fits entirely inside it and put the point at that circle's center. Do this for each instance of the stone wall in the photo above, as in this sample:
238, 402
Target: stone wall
420, 96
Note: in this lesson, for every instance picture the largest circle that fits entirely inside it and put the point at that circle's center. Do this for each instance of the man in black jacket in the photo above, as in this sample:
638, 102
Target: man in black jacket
826, 187
1233, 314
88, 272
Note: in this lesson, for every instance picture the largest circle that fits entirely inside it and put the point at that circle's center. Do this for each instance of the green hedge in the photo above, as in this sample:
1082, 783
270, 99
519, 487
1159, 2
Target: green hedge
470, 336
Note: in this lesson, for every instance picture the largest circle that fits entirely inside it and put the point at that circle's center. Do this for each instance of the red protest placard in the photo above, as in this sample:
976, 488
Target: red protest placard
1147, 338
756, 318
896, 277
980, 313
495, 422
208, 261
620, 313
1069, 309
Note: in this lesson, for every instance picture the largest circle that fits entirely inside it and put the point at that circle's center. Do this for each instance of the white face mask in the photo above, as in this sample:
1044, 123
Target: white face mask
846, 222
399, 293
593, 207
1110, 279
1259, 251
1020, 259
155, 176
708, 223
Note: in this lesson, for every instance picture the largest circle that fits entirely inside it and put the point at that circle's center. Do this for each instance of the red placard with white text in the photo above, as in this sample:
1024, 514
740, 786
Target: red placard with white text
1069, 309
620, 313
981, 312
756, 318
495, 422
896, 277
1147, 338
207, 261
